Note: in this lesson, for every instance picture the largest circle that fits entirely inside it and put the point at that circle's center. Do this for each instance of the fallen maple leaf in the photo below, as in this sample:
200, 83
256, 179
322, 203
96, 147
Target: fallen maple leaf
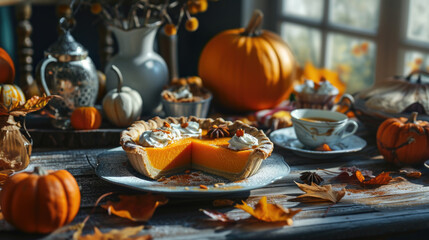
411, 172
381, 179
217, 216
116, 234
136, 207
347, 174
320, 193
21, 109
269, 212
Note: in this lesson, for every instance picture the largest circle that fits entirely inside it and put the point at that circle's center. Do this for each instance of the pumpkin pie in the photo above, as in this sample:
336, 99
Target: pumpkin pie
160, 147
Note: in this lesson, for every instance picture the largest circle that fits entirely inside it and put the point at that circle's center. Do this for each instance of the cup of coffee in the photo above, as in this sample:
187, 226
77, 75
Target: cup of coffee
316, 127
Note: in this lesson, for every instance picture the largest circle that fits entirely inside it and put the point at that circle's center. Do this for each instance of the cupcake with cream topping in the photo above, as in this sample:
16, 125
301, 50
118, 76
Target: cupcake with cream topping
316, 95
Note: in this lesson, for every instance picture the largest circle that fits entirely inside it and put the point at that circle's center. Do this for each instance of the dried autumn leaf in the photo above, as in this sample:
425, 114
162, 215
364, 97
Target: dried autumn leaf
116, 234
411, 172
31, 105
347, 175
381, 179
352, 170
319, 193
269, 212
136, 207
217, 216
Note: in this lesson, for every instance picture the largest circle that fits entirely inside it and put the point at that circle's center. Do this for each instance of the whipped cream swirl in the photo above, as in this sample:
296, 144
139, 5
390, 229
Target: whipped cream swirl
326, 88
191, 130
307, 87
246, 141
183, 92
159, 137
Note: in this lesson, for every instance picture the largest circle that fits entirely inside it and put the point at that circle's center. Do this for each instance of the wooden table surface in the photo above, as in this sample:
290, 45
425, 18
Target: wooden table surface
394, 211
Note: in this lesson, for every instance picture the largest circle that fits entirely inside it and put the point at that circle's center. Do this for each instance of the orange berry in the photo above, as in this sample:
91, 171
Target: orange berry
192, 24
193, 9
96, 8
202, 5
197, 6
170, 29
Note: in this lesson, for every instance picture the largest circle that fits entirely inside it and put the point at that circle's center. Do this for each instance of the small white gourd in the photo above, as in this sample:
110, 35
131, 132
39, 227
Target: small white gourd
122, 105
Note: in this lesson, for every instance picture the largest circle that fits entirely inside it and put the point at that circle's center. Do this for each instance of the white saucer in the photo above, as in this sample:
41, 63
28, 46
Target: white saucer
286, 138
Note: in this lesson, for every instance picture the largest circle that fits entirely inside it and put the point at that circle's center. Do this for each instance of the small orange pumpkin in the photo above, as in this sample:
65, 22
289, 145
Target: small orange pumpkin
248, 69
404, 141
7, 68
10, 94
85, 118
40, 202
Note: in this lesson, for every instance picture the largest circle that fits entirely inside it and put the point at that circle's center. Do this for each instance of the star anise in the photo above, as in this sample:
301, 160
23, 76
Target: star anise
218, 131
311, 177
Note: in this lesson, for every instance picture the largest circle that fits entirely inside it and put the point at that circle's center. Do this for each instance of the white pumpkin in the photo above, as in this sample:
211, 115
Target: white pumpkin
122, 105
10, 94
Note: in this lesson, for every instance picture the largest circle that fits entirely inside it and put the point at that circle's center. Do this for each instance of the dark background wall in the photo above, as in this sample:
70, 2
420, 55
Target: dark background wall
221, 15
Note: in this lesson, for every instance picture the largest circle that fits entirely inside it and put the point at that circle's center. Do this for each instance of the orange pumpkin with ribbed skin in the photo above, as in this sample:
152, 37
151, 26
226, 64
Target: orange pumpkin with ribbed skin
40, 202
7, 68
10, 94
404, 141
247, 69
85, 118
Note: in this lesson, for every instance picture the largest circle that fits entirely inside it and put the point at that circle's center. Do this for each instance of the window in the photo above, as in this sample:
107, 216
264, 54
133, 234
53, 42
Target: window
363, 40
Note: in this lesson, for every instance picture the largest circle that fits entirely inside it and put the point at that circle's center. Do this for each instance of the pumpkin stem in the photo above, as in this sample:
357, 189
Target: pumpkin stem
120, 78
254, 25
413, 118
40, 171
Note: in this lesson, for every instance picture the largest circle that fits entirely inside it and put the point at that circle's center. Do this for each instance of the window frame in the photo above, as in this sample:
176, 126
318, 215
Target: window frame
390, 36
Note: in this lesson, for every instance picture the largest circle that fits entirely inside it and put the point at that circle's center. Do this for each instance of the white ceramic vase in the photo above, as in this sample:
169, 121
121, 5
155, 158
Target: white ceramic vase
142, 68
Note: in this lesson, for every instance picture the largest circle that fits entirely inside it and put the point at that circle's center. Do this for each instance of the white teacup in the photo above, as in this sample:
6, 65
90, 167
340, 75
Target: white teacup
316, 127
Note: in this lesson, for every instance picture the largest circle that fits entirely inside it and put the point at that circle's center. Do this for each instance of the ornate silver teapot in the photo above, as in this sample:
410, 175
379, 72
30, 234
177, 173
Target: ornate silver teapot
67, 71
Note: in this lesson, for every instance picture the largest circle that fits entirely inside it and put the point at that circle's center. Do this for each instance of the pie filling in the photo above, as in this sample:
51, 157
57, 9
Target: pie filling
213, 154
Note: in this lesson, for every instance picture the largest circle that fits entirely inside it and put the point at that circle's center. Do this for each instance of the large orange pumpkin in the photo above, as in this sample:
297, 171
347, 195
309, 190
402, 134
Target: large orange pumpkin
10, 94
404, 141
40, 202
7, 68
248, 69
85, 118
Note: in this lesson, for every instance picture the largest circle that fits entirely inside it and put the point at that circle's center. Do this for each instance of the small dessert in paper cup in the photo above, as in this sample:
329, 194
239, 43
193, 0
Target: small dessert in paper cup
316, 95
186, 97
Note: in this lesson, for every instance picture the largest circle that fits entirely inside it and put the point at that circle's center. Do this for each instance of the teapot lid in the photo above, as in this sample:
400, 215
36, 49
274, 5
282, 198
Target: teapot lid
66, 48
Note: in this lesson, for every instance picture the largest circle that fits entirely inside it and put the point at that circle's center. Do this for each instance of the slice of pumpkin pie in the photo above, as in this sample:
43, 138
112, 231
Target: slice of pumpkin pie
160, 147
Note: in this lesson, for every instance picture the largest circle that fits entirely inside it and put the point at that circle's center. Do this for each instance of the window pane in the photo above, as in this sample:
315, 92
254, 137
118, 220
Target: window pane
304, 8
418, 19
415, 60
353, 58
305, 42
360, 14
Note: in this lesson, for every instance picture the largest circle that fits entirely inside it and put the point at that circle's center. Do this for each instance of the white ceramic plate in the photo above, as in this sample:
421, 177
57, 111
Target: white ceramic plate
113, 166
286, 138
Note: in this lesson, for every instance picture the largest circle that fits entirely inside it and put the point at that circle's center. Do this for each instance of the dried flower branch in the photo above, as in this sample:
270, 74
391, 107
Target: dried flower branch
129, 14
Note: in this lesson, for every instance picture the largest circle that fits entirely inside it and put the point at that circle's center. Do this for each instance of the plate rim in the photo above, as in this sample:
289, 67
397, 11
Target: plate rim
189, 192
324, 153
